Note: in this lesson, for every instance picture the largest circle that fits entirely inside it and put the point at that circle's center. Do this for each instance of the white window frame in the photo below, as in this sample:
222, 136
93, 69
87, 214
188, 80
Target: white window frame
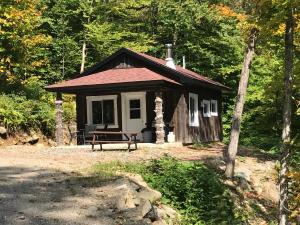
216, 104
90, 99
194, 123
206, 102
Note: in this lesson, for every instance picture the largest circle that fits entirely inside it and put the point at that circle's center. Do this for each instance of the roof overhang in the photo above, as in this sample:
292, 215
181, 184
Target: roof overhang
140, 85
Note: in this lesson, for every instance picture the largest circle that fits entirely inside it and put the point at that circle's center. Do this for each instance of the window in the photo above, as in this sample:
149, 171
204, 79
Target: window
193, 110
135, 108
214, 107
206, 108
102, 110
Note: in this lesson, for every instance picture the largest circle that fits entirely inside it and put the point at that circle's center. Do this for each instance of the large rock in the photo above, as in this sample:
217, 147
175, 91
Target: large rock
243, 173
127, 200
3, 131
52, 143
33, 139
159, 222
144, 191
135, 201
166, 212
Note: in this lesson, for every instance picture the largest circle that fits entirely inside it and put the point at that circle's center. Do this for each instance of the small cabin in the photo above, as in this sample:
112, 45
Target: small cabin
131, 91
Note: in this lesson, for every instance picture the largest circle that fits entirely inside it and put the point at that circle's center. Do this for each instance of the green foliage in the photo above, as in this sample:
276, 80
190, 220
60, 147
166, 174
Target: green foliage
194, 190
41, 43
19, 113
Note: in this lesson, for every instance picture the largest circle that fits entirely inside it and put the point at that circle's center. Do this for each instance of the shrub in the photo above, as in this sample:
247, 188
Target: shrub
196, 191
19, 113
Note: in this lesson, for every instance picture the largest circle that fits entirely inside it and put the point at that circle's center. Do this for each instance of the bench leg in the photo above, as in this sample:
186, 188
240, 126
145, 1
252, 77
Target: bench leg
135, 142
101, 147
128, 150
93, 147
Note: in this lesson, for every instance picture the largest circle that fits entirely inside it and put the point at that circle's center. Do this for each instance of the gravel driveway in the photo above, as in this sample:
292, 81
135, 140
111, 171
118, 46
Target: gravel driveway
47, 186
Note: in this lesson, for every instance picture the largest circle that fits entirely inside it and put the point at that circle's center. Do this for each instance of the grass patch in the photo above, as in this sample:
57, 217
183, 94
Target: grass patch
196, 191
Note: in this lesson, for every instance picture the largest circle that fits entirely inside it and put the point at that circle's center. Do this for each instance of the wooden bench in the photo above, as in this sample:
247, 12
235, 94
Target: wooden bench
101, 137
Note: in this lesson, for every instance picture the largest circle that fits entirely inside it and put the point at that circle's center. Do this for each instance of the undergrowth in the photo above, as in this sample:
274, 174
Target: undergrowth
196, 191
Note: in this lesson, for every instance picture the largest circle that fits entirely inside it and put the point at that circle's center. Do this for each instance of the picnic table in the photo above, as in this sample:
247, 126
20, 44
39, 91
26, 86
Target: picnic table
101, 137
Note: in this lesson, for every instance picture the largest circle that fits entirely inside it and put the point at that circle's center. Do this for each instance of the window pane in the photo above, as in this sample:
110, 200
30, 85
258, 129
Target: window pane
134, 104
213, 107
108, 112
135, 114
205, 108
192, 109
97, 112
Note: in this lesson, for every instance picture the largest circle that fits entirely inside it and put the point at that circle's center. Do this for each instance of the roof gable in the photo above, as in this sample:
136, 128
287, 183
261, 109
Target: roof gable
181, 75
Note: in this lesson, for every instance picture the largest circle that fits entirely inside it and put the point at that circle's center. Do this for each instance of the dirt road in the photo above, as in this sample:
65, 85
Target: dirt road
47, 186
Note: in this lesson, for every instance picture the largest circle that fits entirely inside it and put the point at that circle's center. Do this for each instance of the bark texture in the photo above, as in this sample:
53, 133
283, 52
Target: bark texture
59, 122
240, 101
83, 56
283, 211
159, 119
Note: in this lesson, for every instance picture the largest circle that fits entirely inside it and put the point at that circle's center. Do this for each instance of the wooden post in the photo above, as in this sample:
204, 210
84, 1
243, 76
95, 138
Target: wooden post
59, 138
159, 119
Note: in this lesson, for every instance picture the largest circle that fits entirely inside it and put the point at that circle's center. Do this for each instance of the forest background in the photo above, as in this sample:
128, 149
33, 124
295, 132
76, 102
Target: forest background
42, 42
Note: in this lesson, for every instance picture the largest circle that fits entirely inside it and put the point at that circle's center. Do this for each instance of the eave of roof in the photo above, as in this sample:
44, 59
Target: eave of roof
111, 77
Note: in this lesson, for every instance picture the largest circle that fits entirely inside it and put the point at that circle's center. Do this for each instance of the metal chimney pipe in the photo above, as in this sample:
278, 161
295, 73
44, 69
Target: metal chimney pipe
170, 62
183, 62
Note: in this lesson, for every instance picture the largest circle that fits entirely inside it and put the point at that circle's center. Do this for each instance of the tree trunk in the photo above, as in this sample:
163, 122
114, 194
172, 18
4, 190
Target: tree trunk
236, 120
286, 131
83, 55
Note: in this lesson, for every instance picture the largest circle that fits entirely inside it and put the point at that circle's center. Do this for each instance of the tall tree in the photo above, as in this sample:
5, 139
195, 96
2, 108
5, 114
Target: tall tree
87, 10
23, 43
283, 211
240, 101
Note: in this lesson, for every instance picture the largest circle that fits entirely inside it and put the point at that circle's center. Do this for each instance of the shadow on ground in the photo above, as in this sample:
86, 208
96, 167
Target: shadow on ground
42, 197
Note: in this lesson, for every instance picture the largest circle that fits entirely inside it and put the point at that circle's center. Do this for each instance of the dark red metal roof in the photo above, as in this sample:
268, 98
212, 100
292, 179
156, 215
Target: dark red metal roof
114, 76
132, 75
181, 70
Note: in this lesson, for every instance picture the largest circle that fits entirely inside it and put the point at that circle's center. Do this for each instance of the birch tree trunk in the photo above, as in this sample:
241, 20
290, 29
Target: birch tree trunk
240, 101
83, 55
286, 130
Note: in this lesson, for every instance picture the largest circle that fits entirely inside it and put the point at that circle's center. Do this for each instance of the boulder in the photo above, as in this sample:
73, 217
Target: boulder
32, 139
152, 214
134, 202
149, 194
159, 222
258, 190
243, 184
144, 208
92, 212
3, 131
166, 212
144, 191
127, 200
139, 212
52, 143
243, 173
40, 145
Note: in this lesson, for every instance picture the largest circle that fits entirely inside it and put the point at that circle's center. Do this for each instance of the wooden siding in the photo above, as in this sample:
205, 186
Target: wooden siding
176, 110
176, 113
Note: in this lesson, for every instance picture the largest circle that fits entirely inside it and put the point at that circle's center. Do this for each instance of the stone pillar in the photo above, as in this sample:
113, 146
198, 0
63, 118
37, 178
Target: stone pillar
159, 119
59, 136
